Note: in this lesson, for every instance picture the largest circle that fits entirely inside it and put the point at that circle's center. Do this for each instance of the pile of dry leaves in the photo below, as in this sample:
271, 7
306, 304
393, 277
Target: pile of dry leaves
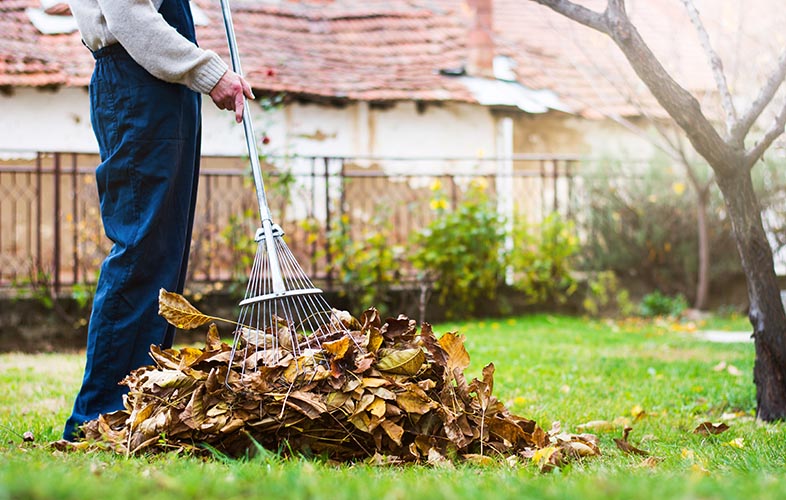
401, 397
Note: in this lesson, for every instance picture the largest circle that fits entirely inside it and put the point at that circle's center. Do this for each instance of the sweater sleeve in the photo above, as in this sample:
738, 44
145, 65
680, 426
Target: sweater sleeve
159, 48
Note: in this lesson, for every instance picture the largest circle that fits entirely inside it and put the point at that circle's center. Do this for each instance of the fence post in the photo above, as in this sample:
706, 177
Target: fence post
211, 241
328, 256
555, 176
75, 219
311, 213
569, 180
38, 215
56, 222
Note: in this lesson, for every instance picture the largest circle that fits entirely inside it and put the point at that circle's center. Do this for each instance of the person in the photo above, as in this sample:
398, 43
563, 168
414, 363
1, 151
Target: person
145, 98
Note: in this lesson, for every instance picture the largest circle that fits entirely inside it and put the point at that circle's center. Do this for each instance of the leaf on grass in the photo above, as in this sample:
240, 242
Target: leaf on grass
548, 458
404, 396
597, 425
179, 312
580, 449
736, 443
707, 428
624, 445
481, 460
649, 462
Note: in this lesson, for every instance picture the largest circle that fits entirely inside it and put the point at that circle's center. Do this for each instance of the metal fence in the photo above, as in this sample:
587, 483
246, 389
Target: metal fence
51, 234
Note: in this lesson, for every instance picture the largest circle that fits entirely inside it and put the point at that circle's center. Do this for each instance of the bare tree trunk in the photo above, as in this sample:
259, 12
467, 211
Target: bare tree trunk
703, 279
766, 309
732, 164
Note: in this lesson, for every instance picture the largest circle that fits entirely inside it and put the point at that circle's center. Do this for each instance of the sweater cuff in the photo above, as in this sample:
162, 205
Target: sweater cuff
208, 75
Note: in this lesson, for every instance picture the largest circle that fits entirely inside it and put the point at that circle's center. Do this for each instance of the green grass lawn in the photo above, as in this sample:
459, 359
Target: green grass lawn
549, 368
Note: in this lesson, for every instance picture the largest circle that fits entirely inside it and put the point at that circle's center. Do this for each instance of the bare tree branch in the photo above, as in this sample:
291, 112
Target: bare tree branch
715, 64
677, 101
776, 129
578, 13
767, 92
665, 144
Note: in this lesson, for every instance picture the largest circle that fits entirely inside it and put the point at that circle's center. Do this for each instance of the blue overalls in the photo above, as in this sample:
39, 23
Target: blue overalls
148, 135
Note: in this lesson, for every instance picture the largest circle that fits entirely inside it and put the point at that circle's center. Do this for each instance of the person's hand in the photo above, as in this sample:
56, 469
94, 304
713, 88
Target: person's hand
229, 91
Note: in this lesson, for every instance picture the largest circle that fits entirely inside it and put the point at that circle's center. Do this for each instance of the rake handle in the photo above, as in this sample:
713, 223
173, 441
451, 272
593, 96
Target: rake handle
248, 126
253, 154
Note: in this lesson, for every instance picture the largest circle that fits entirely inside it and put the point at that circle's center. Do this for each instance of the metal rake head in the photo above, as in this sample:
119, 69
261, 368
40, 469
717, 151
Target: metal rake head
283, 315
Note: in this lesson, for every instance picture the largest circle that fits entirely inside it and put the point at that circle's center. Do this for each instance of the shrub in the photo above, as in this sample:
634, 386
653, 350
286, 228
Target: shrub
643, 227
461, 251
605, 296
542, 259
659, 304
367, 266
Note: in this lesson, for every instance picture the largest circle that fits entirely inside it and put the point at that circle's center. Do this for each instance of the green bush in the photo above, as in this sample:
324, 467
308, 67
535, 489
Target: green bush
461, 251
367, 266
542, 259
659, 304
643, 227
605, 296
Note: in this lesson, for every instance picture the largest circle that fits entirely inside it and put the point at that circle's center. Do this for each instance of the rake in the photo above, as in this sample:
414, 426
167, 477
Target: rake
282, 313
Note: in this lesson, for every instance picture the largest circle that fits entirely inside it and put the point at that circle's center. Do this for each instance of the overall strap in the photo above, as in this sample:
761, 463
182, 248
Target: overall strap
178, 14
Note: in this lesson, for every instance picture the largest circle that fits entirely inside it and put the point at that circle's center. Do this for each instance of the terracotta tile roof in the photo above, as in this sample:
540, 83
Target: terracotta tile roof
378, 50
590, 74
386, 50
28, 58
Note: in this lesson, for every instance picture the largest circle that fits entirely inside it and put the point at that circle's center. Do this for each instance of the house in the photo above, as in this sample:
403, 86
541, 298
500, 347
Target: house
397, 86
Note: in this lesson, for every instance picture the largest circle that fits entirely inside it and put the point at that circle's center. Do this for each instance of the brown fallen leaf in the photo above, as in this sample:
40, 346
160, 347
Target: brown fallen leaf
401, 362
707, 428
624, 445
402, 397
650, 462
597, 425
179, 312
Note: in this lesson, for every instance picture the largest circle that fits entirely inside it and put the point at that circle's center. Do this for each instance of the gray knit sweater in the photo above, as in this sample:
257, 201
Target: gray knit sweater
149, 40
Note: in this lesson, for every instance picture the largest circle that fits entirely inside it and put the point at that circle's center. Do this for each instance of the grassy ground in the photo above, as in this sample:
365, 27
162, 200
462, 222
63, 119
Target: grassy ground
548, 368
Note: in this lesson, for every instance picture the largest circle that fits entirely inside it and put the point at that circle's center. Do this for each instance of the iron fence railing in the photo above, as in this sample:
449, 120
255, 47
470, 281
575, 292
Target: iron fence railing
51, 234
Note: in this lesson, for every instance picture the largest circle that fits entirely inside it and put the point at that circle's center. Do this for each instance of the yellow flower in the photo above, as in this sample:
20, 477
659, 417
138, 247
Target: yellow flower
439, 204
479, 183
678, 188
436, 185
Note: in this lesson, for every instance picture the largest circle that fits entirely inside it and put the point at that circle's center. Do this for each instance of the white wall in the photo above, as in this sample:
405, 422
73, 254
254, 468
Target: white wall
450, 129
59, 120
46, 120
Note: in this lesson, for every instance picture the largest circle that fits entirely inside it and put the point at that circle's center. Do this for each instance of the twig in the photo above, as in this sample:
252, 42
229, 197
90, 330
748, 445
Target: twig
775, 130
749, 117
715, 64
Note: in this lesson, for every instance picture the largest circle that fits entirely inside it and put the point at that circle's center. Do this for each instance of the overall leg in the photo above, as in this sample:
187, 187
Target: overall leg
147, 132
